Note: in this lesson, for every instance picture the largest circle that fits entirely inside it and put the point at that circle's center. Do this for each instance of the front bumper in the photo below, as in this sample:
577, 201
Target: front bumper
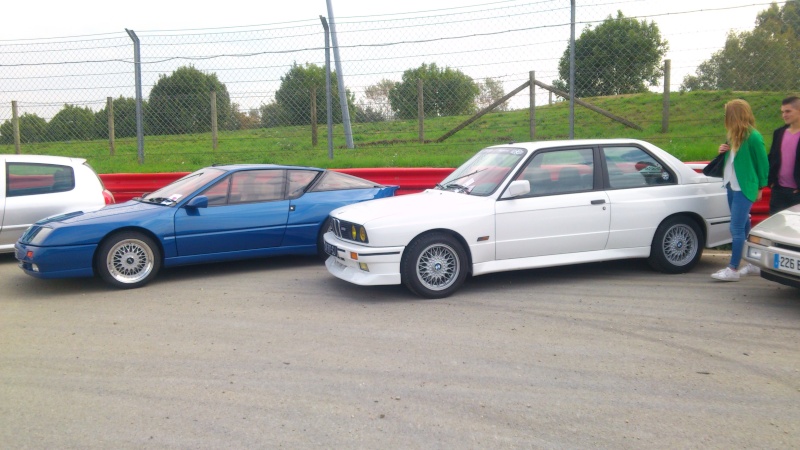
778, 264
366, 266
56, 262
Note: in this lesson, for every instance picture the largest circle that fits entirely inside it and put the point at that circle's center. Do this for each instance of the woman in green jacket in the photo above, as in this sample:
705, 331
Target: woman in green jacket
746, 171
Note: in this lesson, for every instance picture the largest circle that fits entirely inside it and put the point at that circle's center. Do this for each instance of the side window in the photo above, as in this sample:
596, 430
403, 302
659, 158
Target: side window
258, 185
560, 172
632, 167
218, 194
299, 181
33, 179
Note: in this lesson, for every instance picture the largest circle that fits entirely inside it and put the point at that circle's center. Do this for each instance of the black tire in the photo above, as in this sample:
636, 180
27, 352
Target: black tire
434, 265
677, 245
326, 226
128, 260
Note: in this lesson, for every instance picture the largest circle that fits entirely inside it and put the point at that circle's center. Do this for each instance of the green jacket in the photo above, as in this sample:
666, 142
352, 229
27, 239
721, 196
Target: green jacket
751, 165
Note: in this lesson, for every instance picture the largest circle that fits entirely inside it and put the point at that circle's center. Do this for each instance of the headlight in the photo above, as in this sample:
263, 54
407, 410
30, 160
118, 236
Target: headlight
39, 235
353, 232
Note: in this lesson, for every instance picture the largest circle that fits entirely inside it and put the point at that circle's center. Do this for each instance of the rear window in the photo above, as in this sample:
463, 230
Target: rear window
34, 179
334, 181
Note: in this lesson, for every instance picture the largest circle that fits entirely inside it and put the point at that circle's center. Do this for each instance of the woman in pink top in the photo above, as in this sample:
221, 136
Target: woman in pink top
784, 158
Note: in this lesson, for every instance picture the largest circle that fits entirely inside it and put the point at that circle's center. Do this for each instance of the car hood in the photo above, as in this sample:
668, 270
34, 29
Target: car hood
110, 211
429, 204
782, 227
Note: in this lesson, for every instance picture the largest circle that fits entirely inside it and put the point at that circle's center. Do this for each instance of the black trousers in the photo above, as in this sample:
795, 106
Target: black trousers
782, 198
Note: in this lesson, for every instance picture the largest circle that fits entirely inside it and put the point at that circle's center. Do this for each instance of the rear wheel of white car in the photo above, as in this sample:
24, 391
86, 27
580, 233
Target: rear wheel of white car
677, 246
128, 260
434, 265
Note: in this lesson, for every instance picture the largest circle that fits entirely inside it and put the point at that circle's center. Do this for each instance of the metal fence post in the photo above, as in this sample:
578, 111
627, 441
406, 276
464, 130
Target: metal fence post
328, 100
137, 61
15, 122
348, 132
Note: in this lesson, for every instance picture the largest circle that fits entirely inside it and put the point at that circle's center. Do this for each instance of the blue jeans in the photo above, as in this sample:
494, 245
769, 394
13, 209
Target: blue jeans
740, 223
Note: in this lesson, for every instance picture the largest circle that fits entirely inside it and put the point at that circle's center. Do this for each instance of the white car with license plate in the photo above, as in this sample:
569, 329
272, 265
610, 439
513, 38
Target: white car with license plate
774, 246
529, 205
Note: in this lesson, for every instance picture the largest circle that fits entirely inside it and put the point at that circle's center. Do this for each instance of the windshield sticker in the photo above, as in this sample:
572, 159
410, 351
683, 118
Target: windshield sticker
173, 198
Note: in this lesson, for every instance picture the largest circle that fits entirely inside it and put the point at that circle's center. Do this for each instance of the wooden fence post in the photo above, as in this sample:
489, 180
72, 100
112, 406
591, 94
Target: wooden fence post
532, 97
214, 138
665, 109
420, 112
111, 131
313, 116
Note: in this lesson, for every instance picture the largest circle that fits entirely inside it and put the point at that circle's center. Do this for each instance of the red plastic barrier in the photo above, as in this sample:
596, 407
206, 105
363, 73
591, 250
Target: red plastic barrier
125, 186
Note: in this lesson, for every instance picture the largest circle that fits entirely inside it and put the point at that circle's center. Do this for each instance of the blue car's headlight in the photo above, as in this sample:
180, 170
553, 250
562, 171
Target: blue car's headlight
36, 235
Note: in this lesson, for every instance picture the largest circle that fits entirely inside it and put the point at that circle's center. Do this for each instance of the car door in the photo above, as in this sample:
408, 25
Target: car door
30, 192
642, 192
246, 211
562, 214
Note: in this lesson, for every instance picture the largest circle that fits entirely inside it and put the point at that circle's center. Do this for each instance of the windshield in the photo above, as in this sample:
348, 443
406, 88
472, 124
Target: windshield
483, 172
175, 191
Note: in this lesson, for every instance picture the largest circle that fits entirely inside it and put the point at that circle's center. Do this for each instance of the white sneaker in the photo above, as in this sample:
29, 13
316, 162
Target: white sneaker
726, 274
749, 269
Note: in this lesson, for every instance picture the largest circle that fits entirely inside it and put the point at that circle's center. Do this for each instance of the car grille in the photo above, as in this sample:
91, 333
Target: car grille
341, 228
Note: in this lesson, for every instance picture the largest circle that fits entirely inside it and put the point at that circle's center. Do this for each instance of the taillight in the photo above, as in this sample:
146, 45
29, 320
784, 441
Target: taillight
108, 197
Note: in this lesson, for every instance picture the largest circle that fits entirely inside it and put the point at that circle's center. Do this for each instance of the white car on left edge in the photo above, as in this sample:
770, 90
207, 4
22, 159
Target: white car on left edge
528, 205
37, 186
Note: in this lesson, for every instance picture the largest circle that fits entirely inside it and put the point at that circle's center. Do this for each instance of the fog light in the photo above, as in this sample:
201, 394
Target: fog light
34, 267
363, 266
754, 253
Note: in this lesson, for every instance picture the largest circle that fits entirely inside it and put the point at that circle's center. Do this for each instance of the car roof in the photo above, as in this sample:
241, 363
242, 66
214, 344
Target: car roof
43, 159
571, 143
237, 167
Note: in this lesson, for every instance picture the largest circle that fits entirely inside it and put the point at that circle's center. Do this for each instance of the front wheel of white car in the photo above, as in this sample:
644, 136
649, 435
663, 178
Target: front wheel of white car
128, 260
677, 246
434, 265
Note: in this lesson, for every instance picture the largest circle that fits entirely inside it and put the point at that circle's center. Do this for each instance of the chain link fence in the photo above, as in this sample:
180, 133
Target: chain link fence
248, 84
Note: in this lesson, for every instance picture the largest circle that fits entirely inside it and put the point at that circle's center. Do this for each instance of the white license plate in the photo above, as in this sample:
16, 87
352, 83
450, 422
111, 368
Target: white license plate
331, 249
786, 263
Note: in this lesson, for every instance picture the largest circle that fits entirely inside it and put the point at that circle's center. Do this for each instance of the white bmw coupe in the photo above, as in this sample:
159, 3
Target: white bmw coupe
529, 205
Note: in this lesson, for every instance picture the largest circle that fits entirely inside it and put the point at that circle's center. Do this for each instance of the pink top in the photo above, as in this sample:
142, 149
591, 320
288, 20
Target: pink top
788, 157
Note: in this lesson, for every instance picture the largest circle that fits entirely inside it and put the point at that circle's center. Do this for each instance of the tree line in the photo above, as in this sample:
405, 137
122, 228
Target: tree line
621, 55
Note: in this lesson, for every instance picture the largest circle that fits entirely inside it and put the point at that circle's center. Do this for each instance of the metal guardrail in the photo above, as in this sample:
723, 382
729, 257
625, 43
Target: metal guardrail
126, 186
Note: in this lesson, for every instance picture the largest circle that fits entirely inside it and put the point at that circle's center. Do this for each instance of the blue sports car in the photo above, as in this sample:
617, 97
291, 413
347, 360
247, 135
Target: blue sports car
217, 213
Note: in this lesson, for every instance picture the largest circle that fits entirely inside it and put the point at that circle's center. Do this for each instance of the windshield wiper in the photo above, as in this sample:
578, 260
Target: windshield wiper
457, 186
159, 200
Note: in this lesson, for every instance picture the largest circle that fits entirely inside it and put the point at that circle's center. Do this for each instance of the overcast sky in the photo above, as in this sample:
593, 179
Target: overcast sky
59, 18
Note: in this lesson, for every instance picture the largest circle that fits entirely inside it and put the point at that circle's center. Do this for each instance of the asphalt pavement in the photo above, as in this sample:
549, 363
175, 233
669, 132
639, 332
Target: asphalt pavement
277, 353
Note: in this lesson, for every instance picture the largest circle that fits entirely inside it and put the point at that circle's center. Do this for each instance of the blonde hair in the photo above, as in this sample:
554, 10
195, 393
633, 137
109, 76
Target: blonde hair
739, 120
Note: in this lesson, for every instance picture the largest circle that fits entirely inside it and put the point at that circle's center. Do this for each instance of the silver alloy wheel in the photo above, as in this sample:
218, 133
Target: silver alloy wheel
438, 267
130, 261
680, 244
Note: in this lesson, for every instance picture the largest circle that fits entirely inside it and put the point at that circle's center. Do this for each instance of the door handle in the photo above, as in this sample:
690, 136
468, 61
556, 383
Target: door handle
598, 202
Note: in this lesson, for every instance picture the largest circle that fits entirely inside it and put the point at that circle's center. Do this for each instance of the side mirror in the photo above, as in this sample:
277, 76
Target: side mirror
517, 188
201, 201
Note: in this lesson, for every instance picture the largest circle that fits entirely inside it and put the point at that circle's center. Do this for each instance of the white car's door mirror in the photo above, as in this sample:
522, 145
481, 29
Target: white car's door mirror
517, 188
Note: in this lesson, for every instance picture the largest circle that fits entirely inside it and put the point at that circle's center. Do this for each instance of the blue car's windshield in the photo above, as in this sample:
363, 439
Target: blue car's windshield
175, 191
